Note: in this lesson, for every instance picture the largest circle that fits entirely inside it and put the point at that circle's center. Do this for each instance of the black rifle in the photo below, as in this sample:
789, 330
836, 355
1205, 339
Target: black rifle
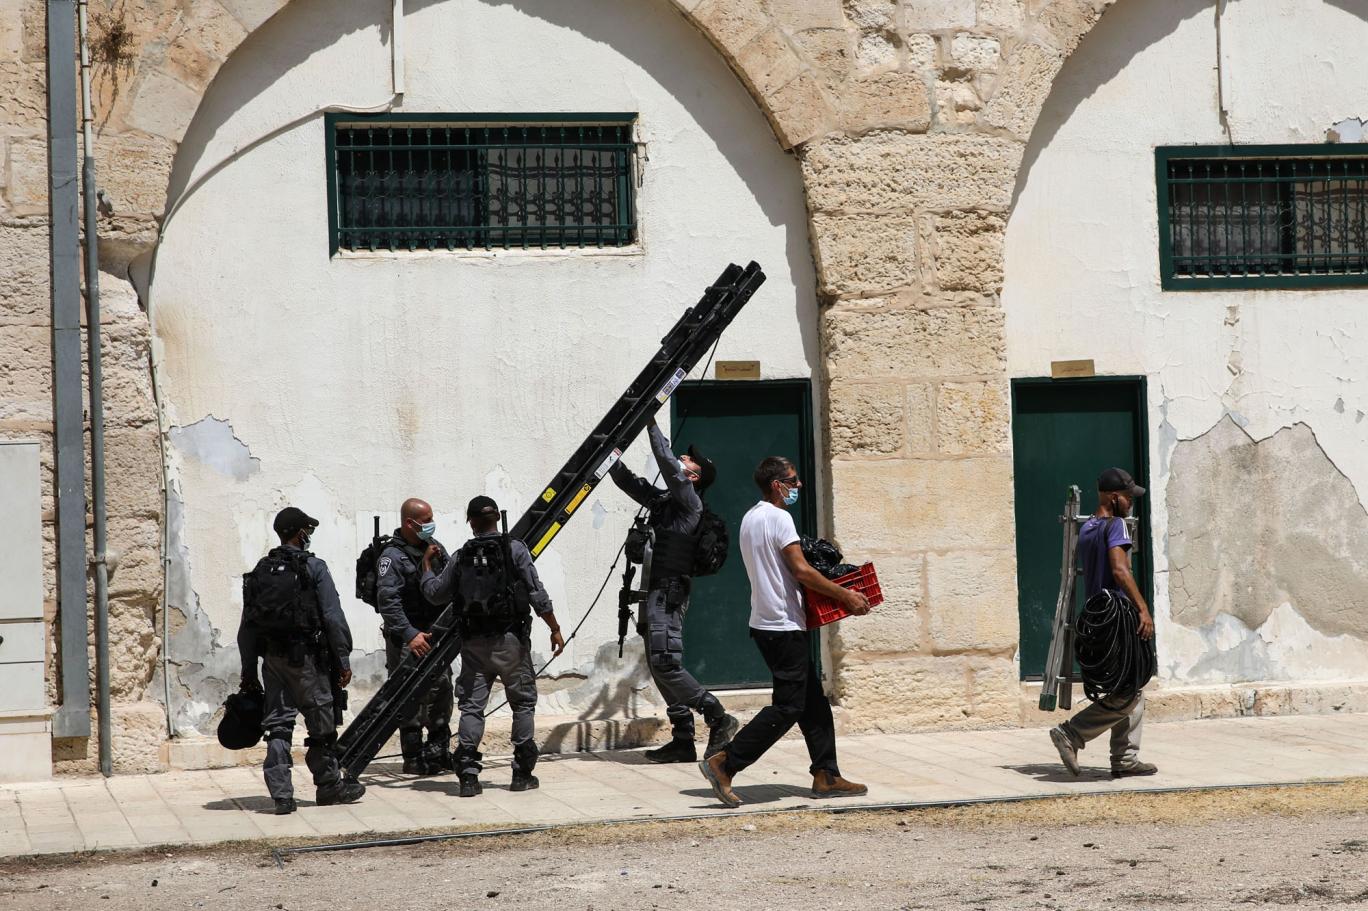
333, 666
625, 599
514, 587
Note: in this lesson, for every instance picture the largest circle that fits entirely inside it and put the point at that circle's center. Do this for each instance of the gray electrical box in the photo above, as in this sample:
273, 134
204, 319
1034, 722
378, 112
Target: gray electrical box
25, 719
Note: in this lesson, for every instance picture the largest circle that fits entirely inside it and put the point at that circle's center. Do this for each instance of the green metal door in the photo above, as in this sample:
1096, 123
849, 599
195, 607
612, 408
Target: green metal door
736, 424
1067, 432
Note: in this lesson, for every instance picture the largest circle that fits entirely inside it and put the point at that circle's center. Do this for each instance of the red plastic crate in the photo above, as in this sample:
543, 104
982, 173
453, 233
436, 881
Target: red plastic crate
822, 610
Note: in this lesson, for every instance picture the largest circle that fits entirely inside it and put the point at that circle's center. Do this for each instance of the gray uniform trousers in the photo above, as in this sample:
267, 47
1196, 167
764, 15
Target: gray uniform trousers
506, 657
432, 710
1123, 717
663, 631
291, 691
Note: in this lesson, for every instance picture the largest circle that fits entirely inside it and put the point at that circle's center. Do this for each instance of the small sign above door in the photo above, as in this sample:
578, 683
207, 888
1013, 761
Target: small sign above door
1064, 370
737, 370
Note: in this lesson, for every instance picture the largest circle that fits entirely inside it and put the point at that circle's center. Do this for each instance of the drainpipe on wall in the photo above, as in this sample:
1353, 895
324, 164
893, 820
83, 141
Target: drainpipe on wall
1222, 96
73, 716
397, 47
97, 478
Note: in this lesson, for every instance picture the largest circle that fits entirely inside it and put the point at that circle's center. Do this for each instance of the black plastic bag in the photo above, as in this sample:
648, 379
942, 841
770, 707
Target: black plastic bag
842, 569
824, 557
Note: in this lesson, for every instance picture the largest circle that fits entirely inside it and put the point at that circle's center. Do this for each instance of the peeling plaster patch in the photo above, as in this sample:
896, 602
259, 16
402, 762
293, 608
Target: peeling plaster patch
211, 441
201, 664
1285, 647
499, 485
1350, 129
1339, 405
1255, 525
1233, 653
609, 687
601, 514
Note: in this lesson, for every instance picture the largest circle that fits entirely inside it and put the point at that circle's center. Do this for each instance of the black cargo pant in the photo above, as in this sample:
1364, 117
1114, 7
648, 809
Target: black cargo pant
485, 658
431, 710
662, 628
798, 699
291, 690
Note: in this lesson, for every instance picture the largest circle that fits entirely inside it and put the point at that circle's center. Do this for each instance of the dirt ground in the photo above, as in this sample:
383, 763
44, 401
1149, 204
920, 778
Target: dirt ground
1239, 849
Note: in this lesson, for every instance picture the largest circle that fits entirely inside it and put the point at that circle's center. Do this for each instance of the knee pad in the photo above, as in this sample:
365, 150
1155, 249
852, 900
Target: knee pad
286, 736
711, 708
326, 742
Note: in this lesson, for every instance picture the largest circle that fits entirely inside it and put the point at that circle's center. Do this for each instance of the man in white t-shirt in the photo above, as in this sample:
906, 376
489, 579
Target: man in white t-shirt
778, 571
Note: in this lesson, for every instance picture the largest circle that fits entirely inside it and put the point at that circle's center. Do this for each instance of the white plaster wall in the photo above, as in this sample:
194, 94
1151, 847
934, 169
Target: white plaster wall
1082, 277
357, 381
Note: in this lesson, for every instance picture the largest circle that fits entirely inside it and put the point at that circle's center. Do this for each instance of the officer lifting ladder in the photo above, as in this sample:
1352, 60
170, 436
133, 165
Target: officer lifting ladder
1056, 690
681, 349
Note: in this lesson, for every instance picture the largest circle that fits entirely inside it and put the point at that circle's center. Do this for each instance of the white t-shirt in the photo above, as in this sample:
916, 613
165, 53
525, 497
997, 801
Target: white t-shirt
776, 597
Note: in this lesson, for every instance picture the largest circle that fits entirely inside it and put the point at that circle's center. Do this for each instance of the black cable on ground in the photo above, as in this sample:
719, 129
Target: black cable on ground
1115, 662
683, 418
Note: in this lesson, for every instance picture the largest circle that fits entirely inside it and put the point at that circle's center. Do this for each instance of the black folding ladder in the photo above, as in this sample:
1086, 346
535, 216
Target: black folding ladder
680, 350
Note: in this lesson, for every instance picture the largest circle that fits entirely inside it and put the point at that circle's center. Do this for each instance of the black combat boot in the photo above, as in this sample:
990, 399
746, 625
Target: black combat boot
524, 781
284, 806
470, 785
411, 746
344, 791
676, 750
721, 726
437, 758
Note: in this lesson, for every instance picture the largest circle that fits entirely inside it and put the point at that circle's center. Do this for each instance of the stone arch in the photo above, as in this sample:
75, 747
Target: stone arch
801, 60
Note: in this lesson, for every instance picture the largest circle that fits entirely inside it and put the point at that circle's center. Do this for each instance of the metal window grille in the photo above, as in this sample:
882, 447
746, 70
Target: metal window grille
1296, 218
466, 186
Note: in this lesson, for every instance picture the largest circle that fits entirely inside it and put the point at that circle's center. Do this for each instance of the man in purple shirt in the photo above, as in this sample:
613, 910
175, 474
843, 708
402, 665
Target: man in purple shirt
1105, 545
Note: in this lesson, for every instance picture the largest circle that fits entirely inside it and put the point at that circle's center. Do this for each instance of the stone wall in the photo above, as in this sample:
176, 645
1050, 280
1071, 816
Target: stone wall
129, 40
909, 118
911, 135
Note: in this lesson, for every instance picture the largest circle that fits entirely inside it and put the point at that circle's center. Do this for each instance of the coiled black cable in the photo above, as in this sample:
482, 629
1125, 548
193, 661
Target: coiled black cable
1114, 660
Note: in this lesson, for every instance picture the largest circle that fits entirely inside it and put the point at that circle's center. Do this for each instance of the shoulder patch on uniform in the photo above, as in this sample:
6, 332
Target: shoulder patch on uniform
383, 566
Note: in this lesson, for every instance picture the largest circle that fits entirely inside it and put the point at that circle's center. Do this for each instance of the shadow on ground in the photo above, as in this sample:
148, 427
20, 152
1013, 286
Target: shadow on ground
750, 794
1056, 774
257, 803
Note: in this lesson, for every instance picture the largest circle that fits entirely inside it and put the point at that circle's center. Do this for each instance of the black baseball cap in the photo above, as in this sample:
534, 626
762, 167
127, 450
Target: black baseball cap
481, 506
1118, 479
707, 471
291, 519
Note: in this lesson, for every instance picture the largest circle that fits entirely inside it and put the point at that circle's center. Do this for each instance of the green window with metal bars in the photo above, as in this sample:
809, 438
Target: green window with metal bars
1263, 216
480, 181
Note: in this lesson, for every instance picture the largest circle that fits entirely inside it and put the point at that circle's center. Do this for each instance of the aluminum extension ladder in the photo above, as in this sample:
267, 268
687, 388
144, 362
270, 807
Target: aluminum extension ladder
1056, 690
680, 350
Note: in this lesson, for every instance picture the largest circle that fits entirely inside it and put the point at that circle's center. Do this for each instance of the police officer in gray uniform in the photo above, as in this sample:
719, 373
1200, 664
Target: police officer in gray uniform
674, 514
293, 620
407, 618
496, 588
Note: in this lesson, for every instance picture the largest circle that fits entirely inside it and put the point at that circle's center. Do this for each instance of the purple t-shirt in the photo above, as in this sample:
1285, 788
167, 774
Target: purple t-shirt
1094, 547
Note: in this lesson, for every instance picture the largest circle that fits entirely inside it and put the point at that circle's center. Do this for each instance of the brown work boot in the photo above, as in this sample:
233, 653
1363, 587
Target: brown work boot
825, 784
714, 769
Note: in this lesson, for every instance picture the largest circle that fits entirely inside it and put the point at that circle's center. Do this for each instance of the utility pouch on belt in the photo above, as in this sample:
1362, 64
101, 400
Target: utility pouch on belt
294, 655
635, 547
677, 592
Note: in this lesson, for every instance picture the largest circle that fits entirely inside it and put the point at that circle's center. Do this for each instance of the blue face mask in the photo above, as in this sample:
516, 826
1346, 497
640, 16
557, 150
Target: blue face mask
427, 530
791, 497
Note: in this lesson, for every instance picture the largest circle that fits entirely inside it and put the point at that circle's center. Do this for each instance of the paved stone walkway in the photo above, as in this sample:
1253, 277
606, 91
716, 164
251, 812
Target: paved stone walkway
207, 807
